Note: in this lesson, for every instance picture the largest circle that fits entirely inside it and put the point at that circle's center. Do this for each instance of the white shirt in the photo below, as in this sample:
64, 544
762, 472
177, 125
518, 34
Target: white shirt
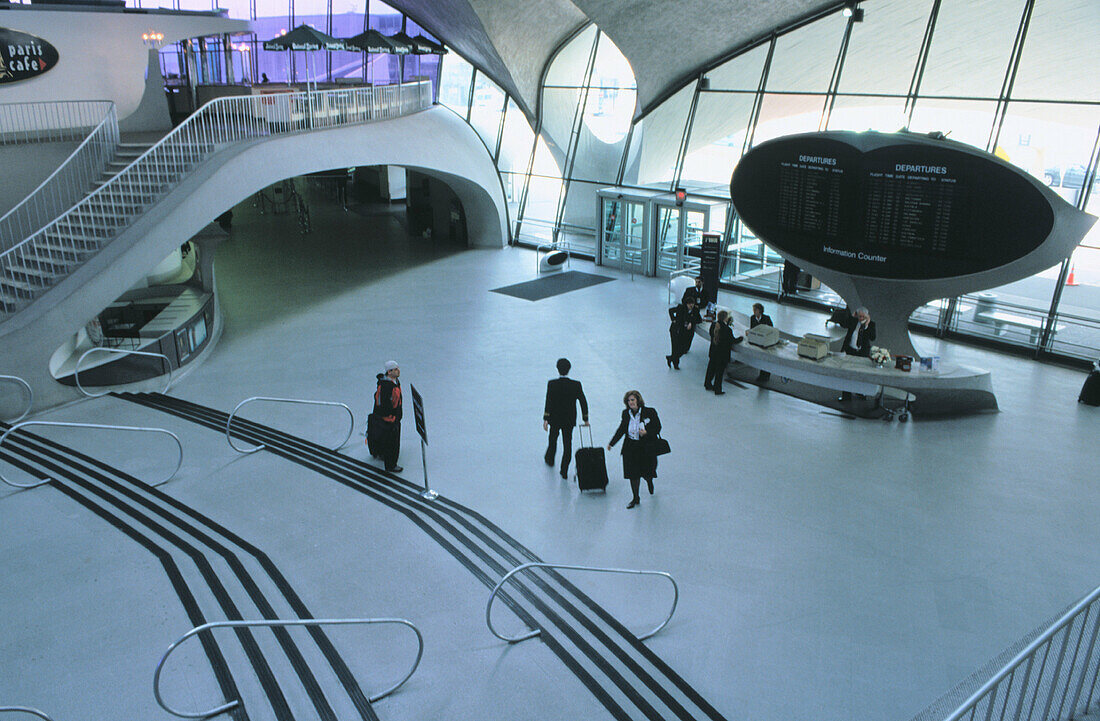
634, 424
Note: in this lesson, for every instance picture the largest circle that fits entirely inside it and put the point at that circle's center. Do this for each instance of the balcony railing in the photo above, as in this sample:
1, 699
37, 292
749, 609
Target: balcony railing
81, 230
66, 185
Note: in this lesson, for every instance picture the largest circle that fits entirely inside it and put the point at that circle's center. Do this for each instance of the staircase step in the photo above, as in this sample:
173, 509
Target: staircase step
39, 274
19, 288
70, 241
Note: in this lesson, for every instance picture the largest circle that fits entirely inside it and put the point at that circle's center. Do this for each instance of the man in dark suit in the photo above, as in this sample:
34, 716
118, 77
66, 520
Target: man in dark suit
857, 341
698, 293
759, 318
560, 414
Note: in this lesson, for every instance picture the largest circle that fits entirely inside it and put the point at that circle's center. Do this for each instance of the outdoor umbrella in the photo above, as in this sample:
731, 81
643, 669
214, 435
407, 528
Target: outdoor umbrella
305, 37
426, 46
373, 41
414, 47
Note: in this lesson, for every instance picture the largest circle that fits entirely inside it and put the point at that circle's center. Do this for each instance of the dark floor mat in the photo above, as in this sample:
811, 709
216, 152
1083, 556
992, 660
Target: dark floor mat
552, 285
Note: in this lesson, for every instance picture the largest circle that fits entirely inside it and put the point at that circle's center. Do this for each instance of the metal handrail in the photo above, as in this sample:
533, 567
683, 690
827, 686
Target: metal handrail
30, 395
557, 245
25, 709
1077, 670
120, 351
179, 446
536, 632
216, 125
66, 184
228, 423
48, 120
279, 623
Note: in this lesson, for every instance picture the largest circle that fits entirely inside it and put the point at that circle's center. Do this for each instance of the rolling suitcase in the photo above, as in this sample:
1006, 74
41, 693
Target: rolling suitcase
591, 467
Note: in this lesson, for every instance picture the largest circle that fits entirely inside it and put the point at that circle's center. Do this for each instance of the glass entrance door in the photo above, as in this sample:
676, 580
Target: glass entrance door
668, 239
622, 236
678, 237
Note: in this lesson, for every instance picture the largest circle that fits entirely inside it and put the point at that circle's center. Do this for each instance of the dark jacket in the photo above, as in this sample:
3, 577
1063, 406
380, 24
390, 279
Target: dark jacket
387, 400
652, 428
722, 341
562, 396
699, 294
764, 319
863, 340
684, 320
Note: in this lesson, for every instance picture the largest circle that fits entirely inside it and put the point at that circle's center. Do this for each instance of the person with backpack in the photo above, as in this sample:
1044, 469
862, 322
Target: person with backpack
386, 427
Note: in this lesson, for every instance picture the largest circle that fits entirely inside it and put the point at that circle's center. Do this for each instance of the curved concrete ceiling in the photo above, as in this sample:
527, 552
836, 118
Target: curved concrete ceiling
511, 40
666, 42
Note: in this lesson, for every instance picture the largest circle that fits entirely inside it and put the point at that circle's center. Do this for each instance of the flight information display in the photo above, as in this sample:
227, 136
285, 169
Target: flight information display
905, 208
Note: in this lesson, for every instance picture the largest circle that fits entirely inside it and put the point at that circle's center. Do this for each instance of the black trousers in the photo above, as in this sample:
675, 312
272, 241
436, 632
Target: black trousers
566, 446
681, 341
716, 372
389, 443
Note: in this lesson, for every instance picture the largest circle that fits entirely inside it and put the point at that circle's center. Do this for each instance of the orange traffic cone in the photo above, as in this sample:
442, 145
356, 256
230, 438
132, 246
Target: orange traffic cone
1070, 280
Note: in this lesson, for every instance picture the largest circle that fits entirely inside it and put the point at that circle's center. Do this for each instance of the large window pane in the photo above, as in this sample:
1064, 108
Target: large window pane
971, 47
513, 191
656, 141
541, 210
786, 114
860, 113
740, 73
1052, 142
968, 121
717, 138
454, 86
487, 110
607, 116
883, 49
804, 58
569, 65
347, 65
580, 216
611, 70
1061, 56
516, 142
559, 108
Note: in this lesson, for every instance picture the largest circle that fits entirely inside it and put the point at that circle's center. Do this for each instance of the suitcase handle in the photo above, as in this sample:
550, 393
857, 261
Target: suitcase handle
580, 436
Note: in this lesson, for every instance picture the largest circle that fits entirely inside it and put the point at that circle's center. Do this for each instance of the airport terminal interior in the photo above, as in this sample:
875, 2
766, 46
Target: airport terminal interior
804, 558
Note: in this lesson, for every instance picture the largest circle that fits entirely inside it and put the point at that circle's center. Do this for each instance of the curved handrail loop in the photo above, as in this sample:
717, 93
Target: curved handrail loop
280, 623
30, 400
121, 351
25, 709
229, 422
179, 446
532, 634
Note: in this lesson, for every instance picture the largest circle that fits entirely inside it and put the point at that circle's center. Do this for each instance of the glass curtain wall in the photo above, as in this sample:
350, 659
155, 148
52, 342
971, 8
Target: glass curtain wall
340, 18
1013, 77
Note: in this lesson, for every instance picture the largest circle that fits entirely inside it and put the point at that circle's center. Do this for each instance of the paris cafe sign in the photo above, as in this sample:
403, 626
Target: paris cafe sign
24, 56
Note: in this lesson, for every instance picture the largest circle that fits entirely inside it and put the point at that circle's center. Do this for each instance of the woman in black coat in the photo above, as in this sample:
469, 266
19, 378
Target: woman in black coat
638, 429
722, 341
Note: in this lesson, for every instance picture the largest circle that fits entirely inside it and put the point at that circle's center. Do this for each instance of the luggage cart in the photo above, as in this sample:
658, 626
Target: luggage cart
895, 403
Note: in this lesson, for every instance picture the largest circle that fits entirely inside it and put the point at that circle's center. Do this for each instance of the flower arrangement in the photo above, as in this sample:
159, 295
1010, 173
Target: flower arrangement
879, 356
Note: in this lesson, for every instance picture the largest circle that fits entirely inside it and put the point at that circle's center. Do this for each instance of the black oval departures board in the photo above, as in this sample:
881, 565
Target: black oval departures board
905, 208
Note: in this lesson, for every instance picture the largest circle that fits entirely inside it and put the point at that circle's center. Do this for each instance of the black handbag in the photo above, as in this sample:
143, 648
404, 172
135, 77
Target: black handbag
662, 446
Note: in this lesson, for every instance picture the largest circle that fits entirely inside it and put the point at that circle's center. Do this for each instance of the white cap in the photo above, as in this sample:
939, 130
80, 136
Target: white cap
389, 366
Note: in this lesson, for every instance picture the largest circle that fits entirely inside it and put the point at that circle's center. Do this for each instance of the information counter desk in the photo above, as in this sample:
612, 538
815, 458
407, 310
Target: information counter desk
952, 390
